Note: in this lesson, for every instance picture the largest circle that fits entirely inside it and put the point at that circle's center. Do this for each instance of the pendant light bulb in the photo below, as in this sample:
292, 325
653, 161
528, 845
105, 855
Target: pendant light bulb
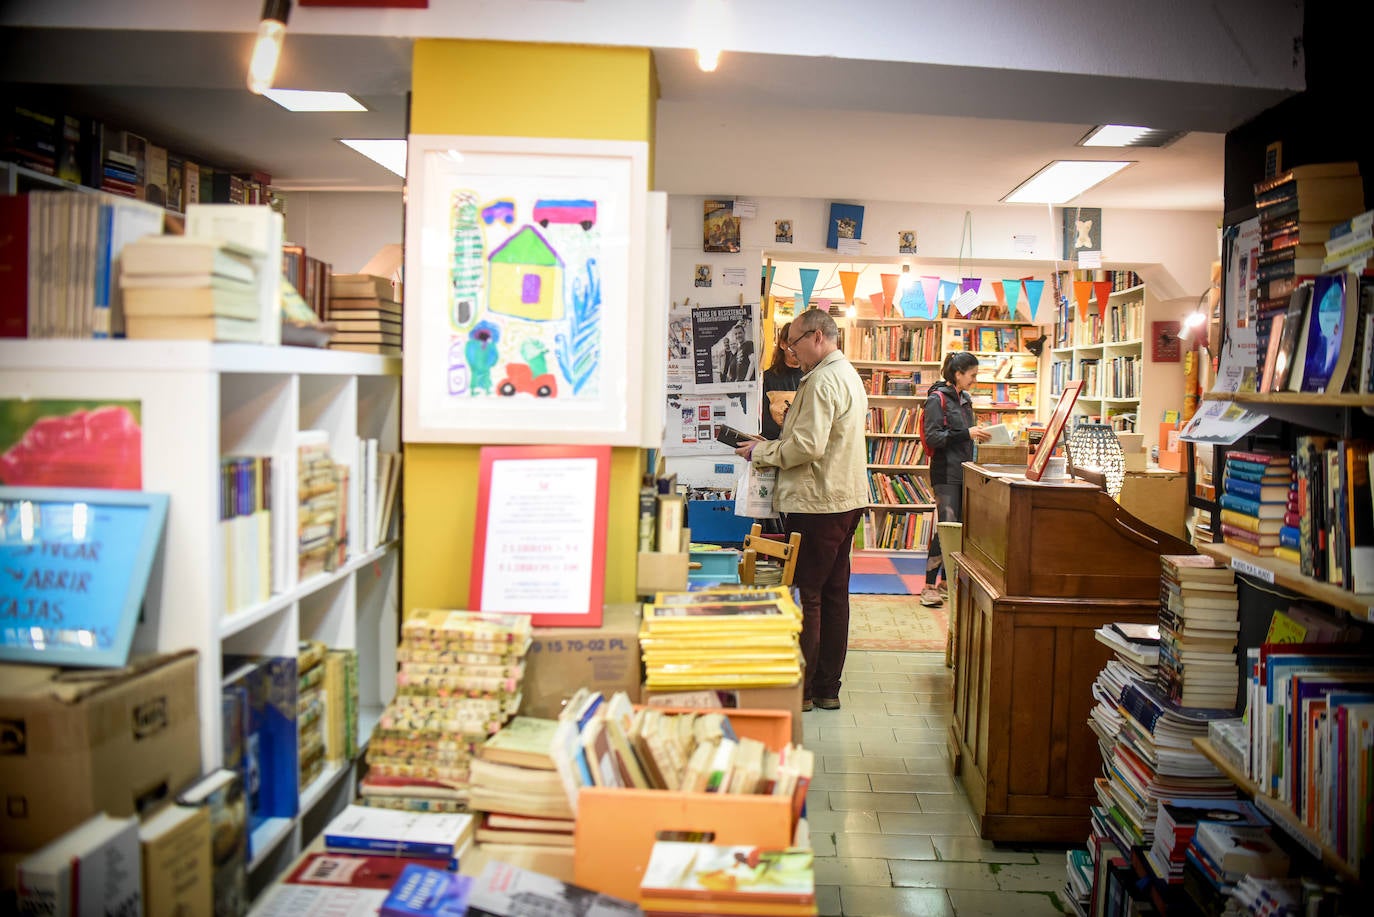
262, 68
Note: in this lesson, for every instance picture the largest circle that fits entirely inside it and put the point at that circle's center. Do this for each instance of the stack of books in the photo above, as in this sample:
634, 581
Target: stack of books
458, 683
728, 637
322, 515
1350, 244
365, 310
525, 814
684, 877
1222, 853
366, 830
310, 704
259, 714
1198, 625
1258, 498
177, 287
1178, 823
1297, 211
246, 529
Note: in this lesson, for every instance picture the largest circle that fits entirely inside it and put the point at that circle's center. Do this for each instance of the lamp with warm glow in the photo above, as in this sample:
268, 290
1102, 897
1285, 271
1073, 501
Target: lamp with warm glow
262, 68
1094, 447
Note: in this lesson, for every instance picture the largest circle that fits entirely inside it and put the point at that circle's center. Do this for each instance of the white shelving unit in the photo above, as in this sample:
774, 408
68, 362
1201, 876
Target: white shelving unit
201, 401
1077, 342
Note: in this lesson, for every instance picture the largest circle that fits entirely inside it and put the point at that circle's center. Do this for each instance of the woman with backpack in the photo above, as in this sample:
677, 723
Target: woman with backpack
948, 431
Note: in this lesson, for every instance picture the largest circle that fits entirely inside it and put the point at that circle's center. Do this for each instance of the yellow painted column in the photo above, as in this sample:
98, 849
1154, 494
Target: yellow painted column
506, 89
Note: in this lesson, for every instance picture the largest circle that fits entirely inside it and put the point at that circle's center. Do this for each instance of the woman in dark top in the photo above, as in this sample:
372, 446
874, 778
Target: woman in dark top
780, 381
949, 430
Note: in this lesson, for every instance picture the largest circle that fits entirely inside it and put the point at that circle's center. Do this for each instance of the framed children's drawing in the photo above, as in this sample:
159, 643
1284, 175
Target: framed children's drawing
540, 544
524, 290
76, 563
1053, 430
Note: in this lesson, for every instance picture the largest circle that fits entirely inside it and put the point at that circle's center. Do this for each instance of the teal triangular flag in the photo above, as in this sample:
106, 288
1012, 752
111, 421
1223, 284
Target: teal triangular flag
1012, 290
1034, 288
808, 283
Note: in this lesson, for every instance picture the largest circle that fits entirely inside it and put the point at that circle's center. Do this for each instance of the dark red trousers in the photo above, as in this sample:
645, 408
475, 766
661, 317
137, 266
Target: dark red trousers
822, 579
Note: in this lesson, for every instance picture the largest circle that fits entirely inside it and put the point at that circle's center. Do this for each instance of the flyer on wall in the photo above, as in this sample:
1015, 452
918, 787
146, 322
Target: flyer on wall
691, 422
724, 348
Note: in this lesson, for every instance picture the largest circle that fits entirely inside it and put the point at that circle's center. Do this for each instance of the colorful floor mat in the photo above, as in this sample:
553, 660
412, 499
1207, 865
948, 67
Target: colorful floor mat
896, 623
879, 575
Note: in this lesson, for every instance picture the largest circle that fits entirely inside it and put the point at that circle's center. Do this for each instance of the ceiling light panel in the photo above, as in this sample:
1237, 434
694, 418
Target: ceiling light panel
314, 100
1122, 135
1063, 180
388, 153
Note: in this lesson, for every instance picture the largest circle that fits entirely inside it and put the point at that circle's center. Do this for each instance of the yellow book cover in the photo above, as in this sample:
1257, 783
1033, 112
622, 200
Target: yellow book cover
1283, 629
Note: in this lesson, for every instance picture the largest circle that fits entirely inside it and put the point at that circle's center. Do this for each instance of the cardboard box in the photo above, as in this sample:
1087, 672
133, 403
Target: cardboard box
616, 828
786, 698
81, 741
563, 659
1159, 498
664, 571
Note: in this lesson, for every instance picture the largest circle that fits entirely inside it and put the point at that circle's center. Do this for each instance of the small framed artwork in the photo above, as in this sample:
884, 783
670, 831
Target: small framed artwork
76, 562
1165, 347
906, 242
846, 222
702, 275
720, 227
1053, 430
1082, 231
782, 232
540, 545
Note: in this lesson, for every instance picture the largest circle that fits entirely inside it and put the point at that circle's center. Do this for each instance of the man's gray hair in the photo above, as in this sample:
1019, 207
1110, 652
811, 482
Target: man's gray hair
816, 319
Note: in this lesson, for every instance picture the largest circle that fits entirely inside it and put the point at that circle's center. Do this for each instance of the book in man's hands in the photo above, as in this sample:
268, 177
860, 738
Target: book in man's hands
415, 834
732, 437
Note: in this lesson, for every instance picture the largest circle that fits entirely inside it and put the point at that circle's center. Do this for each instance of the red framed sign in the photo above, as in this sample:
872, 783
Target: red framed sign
540, 544
1053, 430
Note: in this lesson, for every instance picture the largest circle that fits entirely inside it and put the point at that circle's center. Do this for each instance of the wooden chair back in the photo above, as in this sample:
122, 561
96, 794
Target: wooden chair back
756, 543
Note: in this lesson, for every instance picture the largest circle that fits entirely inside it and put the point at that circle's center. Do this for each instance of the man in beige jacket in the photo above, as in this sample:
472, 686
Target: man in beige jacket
822, 491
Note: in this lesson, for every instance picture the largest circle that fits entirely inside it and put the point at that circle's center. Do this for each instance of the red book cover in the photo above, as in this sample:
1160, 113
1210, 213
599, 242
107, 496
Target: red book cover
357, 871
1259, 458
14, 266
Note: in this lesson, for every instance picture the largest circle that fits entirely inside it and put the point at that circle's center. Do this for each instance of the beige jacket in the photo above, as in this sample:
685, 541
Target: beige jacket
821, 454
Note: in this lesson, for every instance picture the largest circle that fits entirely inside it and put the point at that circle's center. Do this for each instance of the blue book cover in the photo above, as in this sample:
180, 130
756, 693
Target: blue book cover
1255, 471
1290, 536
1254, 490
427, 892
1250, 507
272, 726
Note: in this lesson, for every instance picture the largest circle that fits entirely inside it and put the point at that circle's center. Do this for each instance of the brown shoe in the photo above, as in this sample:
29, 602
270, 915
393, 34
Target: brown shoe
806, 705
931, 598
828, 703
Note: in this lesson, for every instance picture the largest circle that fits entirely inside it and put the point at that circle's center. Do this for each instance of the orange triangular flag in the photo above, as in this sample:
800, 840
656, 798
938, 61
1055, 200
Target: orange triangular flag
848, 281
1082, 292
999, 294
890, 291
1103, 289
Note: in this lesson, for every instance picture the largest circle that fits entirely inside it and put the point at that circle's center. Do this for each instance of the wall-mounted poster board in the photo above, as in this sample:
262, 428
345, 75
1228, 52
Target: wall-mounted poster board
74, 567
540, 547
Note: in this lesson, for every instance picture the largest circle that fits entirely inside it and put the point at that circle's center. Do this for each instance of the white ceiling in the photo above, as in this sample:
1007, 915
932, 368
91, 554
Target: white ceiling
768, 125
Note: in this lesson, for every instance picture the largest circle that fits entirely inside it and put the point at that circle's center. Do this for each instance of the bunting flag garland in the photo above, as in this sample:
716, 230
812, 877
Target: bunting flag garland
1012, 290
1034, 290
848, 281
971, 283
999, 294
948, 290
1103, 289
1082, 294
808, 283
930, 286
768, 271
890, 292
877, 301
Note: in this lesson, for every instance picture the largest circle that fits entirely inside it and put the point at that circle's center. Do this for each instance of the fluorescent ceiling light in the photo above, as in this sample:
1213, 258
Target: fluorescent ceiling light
313, 100
1063, 180
1124, 135
388, 153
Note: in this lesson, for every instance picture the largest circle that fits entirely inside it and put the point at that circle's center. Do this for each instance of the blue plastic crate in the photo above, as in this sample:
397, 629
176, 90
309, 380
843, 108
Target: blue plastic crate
715, 522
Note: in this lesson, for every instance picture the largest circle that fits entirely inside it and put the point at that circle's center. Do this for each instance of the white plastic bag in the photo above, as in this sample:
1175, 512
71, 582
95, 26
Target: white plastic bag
754, 493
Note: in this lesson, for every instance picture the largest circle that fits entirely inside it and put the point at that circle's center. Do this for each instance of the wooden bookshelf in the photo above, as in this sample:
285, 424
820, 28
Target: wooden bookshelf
1278, 813
1296, 399
1285, 574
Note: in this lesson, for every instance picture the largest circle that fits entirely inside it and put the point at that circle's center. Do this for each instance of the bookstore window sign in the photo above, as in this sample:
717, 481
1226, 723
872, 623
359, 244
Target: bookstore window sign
524, 288
74, 567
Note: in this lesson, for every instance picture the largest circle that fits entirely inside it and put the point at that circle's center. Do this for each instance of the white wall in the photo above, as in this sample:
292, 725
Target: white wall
343, 228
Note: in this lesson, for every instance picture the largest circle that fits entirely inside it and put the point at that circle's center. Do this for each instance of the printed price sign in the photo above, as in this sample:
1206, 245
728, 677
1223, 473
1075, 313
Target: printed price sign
74, 568
1249, 569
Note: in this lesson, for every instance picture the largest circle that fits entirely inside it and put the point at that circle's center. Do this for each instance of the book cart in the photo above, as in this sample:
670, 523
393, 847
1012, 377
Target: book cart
202, 401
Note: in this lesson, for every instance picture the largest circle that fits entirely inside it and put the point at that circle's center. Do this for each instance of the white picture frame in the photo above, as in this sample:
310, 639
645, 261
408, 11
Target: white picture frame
524, 290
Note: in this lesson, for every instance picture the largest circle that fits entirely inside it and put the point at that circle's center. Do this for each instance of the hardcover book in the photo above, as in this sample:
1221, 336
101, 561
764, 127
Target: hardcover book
221, 794
416, 834
357, 870
91, 871
177, 878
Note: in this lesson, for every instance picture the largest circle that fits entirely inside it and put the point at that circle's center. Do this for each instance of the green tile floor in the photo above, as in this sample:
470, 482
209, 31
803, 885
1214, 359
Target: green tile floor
893, 832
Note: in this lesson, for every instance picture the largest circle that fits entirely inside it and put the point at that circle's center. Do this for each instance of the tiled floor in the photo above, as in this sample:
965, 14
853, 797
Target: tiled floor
892, 829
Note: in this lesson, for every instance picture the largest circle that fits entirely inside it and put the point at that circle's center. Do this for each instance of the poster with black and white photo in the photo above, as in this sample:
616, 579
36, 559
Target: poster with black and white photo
725, 355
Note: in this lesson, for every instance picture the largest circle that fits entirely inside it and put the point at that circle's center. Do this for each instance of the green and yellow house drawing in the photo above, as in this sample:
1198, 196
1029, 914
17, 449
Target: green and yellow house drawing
525, 278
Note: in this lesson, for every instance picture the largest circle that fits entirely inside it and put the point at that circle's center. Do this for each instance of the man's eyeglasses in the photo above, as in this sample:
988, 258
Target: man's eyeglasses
792, 344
